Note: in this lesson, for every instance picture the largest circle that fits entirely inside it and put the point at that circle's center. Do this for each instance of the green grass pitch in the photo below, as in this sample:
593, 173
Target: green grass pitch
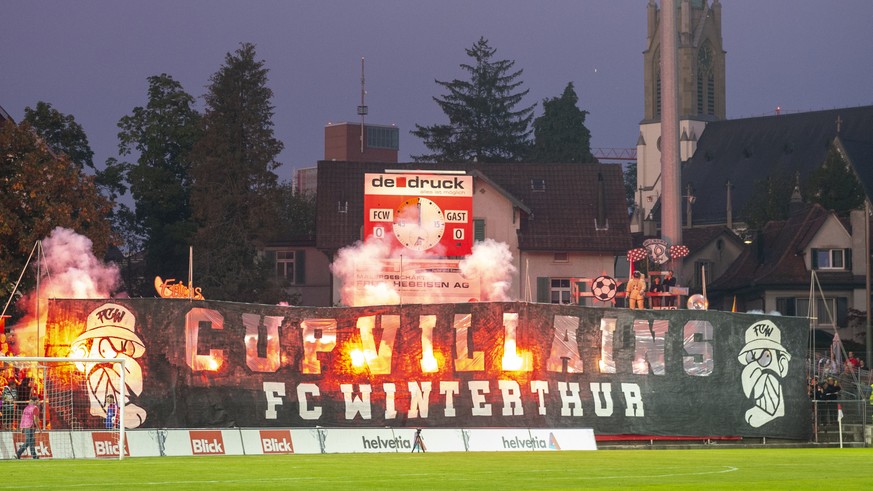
737, 469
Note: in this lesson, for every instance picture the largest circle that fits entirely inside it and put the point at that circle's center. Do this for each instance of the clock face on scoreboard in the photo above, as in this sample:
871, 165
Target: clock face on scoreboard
423, 212
419, 223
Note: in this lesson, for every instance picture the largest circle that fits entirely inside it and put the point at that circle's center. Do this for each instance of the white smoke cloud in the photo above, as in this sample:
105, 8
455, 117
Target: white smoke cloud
68, 269
490, 264
366, 257
73, 270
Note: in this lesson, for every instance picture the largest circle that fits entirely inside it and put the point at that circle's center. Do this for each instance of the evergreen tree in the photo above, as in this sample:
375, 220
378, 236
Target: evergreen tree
296, 213
234, 184
484, 124
162, 135
834, 185
560, 135
775, 197
629, 176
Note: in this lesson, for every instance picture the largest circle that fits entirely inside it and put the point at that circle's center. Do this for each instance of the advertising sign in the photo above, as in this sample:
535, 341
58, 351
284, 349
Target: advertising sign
425, 212
418, 281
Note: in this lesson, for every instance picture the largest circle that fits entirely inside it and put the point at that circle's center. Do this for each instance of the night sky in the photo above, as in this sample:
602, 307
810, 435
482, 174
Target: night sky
91, 58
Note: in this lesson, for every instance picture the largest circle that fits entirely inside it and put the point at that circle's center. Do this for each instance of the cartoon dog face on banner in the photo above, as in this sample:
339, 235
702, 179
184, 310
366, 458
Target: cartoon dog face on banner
110, 333
766, 364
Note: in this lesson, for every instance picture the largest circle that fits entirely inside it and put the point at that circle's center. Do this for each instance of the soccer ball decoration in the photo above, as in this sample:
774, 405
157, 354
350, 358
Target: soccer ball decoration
603, 288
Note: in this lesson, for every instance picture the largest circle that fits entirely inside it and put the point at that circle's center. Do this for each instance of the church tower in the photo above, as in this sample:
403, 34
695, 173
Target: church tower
701, 60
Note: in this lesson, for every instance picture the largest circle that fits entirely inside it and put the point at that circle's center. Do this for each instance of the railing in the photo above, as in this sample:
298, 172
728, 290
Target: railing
852, 427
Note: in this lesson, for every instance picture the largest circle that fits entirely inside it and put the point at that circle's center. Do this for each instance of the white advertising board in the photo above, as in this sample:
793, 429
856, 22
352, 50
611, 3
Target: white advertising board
520, 439
285, 441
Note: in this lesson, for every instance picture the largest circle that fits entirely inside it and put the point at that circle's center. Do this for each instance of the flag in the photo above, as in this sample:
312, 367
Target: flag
837, 352
840, 413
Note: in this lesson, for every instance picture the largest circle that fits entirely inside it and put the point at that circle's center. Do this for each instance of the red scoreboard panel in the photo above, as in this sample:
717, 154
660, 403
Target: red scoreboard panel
427, 212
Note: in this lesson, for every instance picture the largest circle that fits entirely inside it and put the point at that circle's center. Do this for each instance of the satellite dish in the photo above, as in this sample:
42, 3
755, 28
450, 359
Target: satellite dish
697, 302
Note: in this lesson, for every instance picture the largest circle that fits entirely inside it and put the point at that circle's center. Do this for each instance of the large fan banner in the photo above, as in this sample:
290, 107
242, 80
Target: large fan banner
210, 364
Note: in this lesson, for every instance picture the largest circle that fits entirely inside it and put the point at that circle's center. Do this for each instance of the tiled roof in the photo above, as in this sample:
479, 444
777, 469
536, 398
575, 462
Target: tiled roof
743, 151
4, 116
562, 214
775, 258
696, 238
860, 156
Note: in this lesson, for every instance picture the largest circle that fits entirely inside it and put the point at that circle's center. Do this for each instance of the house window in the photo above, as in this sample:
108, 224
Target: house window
829, 259
829, 312
560, 291
478, 229
538, 185
285, 265
561, 257
710, 95
382, 137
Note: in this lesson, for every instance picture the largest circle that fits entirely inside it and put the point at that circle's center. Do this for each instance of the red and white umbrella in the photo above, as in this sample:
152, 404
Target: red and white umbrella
637, 254
677, 251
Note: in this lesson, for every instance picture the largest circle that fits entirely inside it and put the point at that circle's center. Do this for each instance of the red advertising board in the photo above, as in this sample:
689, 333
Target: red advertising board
43, 444
106, 444
206, 442
276, 442
426, 212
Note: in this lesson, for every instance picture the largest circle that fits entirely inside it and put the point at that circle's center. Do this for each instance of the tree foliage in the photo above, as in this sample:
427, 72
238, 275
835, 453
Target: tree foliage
560, 135
629, 177
834, 185
234, 186
43, 190
774, 197
64, 135
484, 124
296, 213
161, 135
61, 133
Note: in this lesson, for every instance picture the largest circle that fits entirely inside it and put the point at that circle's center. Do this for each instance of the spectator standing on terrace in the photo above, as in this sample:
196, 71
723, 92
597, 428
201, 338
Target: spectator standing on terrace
852, 363
7, 398
826, 367
814, 390
831, 389
636, 292
669, 282
657, 287
830, 394
29, 426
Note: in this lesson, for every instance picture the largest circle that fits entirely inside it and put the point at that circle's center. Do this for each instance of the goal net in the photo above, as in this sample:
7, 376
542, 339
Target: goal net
80, 403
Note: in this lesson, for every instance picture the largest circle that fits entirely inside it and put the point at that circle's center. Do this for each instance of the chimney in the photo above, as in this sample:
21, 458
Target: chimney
728, 206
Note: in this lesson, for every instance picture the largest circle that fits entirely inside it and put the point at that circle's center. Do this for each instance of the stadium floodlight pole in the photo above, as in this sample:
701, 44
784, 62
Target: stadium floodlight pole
671, 212
49, 359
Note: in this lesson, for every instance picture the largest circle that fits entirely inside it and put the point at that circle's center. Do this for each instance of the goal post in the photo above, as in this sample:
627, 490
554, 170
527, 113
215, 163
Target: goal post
79, 399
